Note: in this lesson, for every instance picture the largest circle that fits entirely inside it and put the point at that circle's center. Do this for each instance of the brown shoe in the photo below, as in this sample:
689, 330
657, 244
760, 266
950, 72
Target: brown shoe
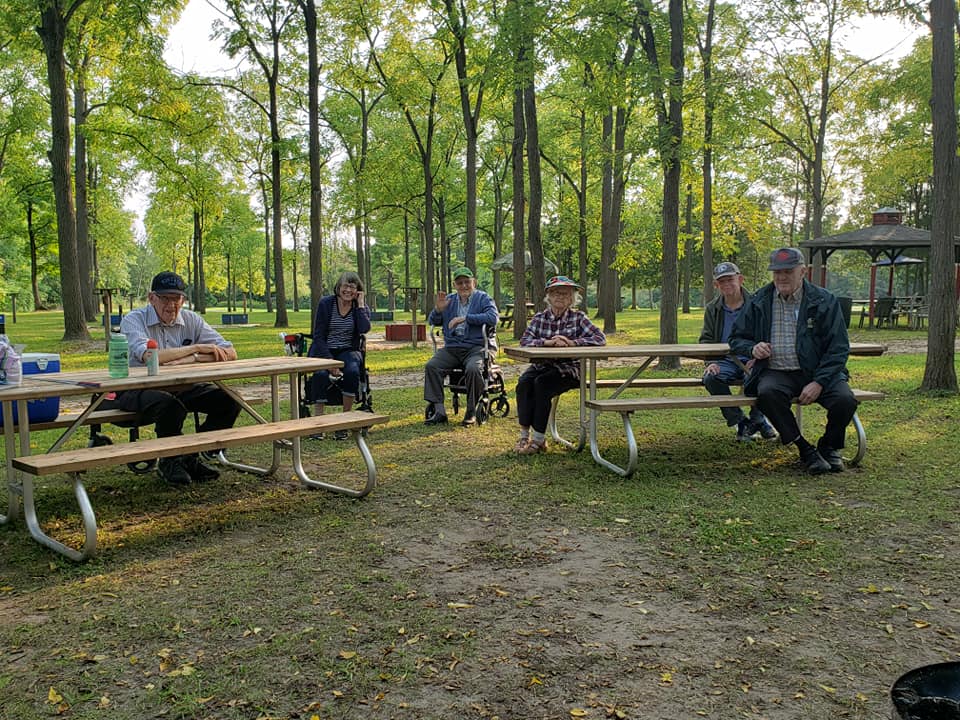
533, 447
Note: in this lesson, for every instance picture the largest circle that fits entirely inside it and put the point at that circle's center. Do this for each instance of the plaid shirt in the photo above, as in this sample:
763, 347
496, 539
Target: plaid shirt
783, 332
573, 324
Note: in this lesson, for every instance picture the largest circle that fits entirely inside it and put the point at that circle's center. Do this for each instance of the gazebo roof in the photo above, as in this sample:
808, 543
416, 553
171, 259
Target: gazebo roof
875, 240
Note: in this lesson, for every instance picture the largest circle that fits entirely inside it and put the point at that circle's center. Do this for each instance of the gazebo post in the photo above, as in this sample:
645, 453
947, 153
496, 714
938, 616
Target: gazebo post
873, 292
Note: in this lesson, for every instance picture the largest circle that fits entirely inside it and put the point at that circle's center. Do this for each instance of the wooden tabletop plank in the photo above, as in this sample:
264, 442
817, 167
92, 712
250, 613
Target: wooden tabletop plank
71, 383
687, 350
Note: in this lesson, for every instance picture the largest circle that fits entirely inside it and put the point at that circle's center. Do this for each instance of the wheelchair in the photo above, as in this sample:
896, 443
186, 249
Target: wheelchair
493, 401
296, 344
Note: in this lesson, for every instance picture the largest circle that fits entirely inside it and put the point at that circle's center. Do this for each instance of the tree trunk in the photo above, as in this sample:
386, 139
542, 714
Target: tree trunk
939, 371
709, 103
687, 253
537, 273
582, 208
519, 210
606, 281
457, 20
275, 179
84, 249
316, 192
672, 132
52, 31
267, 244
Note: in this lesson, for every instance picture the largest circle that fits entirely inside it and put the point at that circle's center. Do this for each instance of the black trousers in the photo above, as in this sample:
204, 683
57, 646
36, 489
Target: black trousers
168, 410
536, 389
775, 393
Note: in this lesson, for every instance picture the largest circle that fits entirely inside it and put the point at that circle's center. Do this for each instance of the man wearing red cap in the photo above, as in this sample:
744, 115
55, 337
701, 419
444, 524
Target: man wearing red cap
796, 335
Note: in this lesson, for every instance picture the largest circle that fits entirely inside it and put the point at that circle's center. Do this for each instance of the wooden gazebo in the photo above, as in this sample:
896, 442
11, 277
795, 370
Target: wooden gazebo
886, 238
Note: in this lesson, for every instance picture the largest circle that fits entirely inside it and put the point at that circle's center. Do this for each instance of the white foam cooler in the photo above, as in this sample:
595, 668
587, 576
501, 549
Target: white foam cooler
48, 408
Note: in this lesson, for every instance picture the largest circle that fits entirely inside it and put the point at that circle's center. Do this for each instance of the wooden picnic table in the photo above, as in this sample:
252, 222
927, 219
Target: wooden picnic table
96, 385
642, 357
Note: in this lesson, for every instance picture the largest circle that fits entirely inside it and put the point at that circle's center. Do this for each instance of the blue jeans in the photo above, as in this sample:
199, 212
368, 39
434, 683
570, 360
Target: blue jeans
350, 382
719, 384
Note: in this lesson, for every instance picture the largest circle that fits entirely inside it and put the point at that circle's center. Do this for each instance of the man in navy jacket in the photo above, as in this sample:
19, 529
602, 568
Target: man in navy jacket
796, 334
462, 317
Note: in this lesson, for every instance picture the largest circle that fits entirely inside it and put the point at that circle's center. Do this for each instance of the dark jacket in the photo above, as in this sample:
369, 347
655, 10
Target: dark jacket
712, 331
481, 311
822, 342
321, 324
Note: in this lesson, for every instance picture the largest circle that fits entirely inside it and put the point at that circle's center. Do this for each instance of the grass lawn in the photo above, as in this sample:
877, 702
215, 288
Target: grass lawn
718, 582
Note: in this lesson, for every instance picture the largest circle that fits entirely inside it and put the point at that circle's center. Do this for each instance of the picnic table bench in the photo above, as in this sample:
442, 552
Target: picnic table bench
627, 406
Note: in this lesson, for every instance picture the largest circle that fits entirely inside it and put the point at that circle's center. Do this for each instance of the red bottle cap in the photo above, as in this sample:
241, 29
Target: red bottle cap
151, 343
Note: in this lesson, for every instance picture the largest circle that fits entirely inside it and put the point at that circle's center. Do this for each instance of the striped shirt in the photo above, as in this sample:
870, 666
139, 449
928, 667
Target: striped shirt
783, 331
573, 324
340, 330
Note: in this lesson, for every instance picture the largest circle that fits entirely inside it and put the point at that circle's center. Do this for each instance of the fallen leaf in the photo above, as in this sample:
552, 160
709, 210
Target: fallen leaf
534, 681
920, 624
578, 712
827, 688
347, 654
53, 697
459, 605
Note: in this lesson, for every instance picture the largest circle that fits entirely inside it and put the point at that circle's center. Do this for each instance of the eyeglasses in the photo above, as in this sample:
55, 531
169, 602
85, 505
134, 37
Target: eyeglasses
170, 299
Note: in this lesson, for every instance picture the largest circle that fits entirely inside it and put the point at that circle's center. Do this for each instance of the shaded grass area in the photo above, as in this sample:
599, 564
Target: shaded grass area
718, 582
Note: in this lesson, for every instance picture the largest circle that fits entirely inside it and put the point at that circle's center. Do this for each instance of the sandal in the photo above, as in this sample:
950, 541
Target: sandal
521, 444
533, 447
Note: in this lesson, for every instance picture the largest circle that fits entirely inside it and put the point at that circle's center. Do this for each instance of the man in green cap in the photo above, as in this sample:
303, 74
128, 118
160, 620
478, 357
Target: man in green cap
462, 317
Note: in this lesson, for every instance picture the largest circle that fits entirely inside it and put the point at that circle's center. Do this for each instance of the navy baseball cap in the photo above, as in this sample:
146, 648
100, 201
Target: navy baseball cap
168, 282
786, 259
724, 269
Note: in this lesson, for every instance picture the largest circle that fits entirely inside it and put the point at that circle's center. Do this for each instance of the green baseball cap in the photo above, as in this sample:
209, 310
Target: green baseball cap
462, 272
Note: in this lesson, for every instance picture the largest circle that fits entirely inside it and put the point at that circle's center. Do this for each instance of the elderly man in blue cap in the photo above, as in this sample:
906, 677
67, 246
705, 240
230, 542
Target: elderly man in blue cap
718, 318
796, 335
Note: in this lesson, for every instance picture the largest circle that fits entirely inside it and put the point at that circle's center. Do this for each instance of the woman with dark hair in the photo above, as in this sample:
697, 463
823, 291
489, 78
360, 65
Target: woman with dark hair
341, 319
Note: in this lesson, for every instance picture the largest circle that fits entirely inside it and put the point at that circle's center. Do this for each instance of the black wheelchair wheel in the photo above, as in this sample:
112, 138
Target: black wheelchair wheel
482, 412
500, 407
429, 411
